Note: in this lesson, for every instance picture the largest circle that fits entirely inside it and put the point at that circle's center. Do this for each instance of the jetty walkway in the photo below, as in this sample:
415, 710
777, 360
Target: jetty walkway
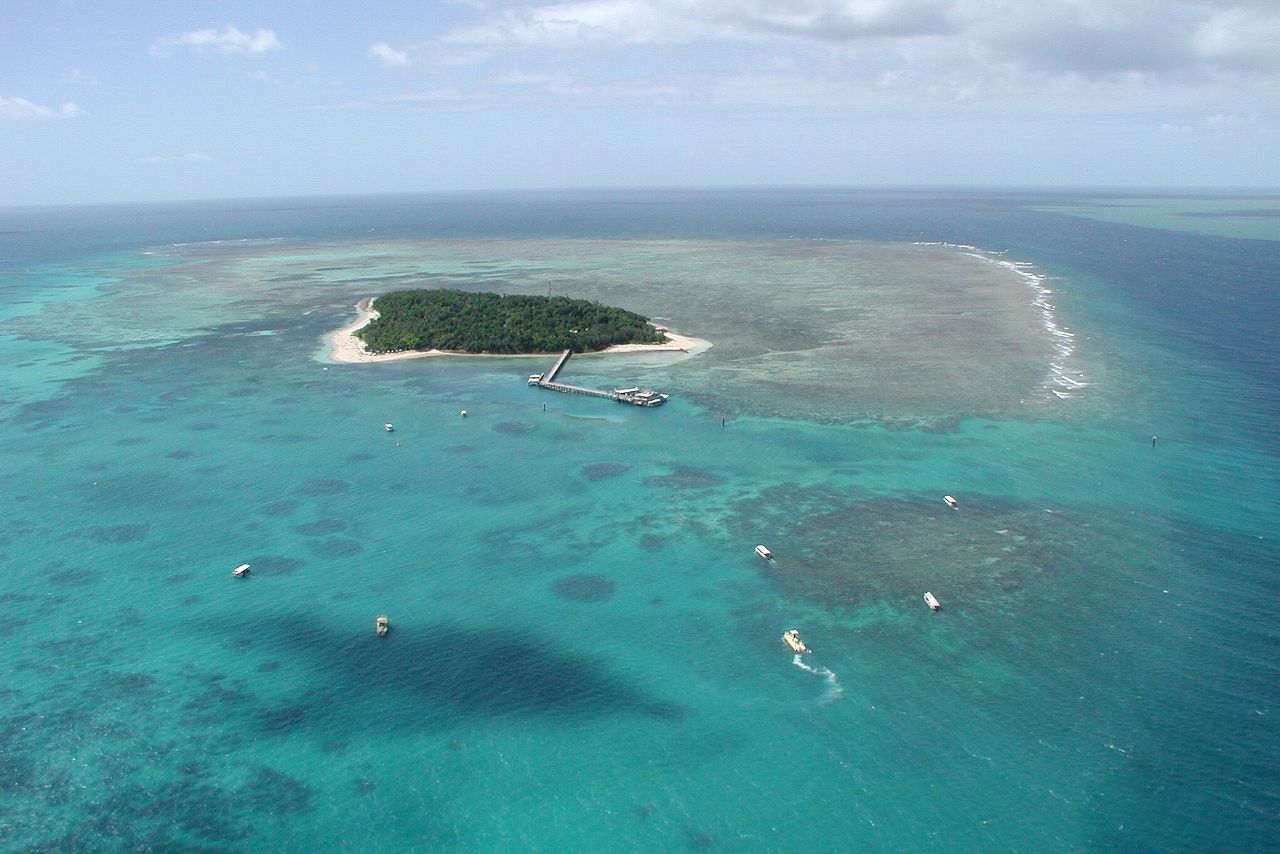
634, 395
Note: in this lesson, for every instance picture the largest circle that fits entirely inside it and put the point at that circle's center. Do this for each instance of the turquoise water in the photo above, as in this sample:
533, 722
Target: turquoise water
585, 650
1248, 215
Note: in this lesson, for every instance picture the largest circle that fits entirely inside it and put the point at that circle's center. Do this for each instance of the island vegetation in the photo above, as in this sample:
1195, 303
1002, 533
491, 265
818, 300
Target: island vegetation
466, 322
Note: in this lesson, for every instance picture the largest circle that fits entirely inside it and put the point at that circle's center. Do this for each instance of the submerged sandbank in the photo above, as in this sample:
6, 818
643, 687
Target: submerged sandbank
345, 346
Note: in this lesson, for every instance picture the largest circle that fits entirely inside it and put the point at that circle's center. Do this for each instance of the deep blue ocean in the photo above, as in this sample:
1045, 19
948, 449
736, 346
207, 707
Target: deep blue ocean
585, 651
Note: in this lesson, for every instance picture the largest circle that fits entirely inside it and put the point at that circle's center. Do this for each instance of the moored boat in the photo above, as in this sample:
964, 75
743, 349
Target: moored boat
764, 553
932, 602
534, 379
791, 638
241, 571
635, 395
383, 625
950, 502
389, 426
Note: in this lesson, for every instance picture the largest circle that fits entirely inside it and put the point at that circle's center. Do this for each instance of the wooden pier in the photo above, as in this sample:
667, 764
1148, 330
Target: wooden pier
634, 396
550, 376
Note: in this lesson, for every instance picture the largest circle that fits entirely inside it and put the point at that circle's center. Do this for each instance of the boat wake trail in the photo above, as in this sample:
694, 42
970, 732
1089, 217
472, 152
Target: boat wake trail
834, 689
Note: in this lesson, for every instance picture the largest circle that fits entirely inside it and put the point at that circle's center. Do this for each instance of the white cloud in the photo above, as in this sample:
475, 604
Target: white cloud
831, 57
1247, 38
78, 76
585, 23
190, 157
20, 108
228, 40
1088, 37
389, 56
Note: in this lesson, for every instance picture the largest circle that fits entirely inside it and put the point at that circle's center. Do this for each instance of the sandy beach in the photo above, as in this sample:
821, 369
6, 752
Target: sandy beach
344, 346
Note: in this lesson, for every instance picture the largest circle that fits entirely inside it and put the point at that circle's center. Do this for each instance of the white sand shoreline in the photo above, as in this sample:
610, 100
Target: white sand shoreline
344, 346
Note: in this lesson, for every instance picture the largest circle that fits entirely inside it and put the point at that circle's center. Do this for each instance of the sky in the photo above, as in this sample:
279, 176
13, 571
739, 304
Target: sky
143, 101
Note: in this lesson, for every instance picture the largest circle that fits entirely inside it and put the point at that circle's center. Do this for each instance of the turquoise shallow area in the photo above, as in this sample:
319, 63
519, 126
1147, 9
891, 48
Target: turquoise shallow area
585, 652
1249, 215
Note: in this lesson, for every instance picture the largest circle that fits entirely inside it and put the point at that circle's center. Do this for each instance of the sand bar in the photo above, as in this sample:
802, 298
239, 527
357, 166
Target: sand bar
344, 346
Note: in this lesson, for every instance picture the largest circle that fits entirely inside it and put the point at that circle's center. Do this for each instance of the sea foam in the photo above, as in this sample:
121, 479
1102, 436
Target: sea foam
1063, 378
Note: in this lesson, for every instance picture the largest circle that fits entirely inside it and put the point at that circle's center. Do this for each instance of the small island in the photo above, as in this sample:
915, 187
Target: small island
413, 323
464, 322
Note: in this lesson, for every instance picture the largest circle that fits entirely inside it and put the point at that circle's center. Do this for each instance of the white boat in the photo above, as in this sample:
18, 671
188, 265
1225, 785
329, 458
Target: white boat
764, 553
534, 379
635, 396
241, 571
649, 398
792, 639
389, 426
382, 625
950, 502
932, 602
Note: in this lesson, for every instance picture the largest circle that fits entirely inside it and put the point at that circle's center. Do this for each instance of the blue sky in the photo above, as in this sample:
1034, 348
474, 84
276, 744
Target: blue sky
126, 101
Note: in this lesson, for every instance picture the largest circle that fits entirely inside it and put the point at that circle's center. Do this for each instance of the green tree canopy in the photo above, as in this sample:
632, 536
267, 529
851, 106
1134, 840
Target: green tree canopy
497, 323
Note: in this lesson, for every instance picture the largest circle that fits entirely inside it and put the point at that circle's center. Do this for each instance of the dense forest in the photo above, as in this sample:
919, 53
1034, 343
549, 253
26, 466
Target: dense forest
498, 323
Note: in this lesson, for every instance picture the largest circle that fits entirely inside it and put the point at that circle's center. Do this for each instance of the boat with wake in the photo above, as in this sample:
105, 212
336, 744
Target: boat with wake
791, 638
764, 553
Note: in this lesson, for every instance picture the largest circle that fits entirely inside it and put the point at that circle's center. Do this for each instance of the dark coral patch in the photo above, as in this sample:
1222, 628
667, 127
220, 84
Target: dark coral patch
324, 486
117, 533
685, 477
512, 428
601, 471
280, 508
180, 454
283, 719
273, 565
75, 577
277, 793
588, 587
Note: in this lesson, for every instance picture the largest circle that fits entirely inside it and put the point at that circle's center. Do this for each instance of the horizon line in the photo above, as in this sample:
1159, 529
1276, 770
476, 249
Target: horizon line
1077, 190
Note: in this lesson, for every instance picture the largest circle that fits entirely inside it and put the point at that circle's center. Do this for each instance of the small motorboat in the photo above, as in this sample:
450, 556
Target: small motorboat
383, 625
389, 426
932, 602
463, 413
534, 379
764, 553
950, 502
241, 571
792, 639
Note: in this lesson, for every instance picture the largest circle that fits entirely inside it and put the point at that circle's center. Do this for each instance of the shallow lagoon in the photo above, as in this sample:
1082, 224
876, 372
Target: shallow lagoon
585, 650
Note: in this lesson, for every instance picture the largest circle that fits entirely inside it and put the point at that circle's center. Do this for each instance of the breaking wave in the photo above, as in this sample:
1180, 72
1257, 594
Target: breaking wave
1064, 380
